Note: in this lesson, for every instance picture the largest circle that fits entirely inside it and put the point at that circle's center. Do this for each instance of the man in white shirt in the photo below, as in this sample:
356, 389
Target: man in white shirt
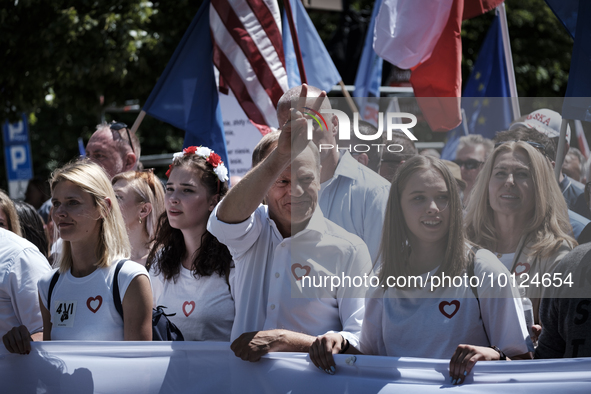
351, 195
21, 266
278, 247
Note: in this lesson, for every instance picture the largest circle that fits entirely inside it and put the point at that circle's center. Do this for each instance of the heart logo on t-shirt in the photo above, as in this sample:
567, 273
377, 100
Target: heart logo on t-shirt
299, 271
449, 309
187, 311
522, 268
94, 303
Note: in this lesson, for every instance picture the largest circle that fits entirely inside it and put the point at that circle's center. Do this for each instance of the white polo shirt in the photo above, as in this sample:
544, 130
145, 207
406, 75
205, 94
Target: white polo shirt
269, 291
355, 198
21, 267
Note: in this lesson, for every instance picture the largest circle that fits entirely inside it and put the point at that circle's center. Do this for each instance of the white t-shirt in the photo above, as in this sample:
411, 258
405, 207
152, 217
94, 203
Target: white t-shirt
434, 327
21, 266
203, 305
83, 308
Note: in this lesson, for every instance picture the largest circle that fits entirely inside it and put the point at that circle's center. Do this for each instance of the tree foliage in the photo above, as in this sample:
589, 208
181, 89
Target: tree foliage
64, 61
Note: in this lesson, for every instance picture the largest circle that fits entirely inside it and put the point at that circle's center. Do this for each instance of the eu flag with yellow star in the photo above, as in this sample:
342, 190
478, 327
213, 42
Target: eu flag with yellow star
485, 100
485, 112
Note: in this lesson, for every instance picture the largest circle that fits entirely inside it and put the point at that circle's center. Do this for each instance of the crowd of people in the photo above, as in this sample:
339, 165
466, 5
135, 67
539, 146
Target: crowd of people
232, 264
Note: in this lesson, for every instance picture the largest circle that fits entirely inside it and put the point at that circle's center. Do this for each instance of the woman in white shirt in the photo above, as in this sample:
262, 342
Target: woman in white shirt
424, 237
81, 303
191, 270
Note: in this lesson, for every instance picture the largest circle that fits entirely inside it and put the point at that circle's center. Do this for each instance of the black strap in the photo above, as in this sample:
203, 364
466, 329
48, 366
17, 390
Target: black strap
116, 295
54, 279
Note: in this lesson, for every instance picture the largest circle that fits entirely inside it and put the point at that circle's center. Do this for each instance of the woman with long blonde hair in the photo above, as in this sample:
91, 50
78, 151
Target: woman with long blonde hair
141, 199
412, 314
78, 301
518, 212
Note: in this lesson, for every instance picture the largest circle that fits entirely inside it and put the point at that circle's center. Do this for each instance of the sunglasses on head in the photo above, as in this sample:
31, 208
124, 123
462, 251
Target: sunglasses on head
536, 145
470, 164
117, 127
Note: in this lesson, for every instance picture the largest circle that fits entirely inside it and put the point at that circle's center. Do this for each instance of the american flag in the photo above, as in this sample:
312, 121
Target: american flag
248, 52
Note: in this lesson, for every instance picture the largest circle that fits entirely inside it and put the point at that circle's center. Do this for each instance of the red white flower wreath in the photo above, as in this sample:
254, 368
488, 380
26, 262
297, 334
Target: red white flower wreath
210, 156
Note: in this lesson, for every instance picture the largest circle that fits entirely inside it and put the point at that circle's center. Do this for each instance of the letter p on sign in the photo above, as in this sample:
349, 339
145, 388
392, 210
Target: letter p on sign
18, 156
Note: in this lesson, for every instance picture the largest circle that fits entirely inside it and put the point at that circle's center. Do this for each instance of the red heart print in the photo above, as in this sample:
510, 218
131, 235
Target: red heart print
98, 301
522, 268
187, 303
299, 271
444, 304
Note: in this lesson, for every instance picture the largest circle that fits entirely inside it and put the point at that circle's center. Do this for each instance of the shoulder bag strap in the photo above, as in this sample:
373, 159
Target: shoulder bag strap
116, 295
54, 279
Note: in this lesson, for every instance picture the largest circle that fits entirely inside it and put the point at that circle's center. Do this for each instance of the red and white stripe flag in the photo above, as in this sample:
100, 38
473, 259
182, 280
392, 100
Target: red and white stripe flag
248, 52
582, 140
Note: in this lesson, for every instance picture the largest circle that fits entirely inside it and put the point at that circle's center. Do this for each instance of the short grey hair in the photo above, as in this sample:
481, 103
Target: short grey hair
474, 140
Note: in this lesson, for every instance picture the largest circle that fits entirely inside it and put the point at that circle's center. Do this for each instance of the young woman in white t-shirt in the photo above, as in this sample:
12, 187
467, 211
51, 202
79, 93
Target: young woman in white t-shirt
86, 213
191, 271
424, 237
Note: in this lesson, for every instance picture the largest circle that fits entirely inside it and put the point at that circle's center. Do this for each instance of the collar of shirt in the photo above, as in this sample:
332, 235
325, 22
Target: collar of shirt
315, 225
347, 167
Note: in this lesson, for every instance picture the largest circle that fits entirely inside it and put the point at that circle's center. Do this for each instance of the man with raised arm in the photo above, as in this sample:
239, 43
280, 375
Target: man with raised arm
351, 195
278, 247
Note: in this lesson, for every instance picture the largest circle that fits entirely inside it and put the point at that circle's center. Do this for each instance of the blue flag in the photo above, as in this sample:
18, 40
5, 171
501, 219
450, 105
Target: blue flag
566, 12
186, 93
486, 112
320, 69
369, 72
577, 103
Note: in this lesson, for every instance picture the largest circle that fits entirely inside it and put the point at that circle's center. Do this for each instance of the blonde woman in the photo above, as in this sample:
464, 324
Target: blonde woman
518, 212
141, 199
424, 237
82, 307
8, 216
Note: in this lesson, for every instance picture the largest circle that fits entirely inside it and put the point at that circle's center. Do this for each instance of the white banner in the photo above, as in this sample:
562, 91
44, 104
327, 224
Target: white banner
241, 135
207, 367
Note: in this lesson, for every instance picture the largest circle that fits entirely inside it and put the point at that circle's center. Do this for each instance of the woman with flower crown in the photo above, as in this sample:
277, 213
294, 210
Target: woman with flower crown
191, 271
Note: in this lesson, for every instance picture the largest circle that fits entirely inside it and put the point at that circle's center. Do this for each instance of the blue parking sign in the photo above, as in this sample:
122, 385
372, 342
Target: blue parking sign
17, 151
18, 162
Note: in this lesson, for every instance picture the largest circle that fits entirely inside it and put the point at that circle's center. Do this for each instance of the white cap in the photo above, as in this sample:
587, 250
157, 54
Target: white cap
545, 121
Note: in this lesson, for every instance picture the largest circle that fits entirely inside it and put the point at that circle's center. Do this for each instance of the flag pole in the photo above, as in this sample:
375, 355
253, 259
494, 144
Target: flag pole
509, 61
138, 121
560, 154
350, 101
296, 41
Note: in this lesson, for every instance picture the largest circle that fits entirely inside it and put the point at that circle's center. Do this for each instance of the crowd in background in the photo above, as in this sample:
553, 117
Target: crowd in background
110, 241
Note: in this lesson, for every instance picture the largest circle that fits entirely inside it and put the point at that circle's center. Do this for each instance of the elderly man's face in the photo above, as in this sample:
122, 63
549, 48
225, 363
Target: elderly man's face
293, 197
572, 167
103, 150
470, 160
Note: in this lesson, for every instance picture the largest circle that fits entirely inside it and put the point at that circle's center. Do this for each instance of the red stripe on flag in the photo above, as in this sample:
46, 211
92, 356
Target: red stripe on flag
473, 8
437, 81
234, 81
269, 24
261, 68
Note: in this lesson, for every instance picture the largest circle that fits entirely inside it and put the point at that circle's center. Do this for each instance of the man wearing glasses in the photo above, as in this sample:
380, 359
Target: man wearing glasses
472, 152
114, 147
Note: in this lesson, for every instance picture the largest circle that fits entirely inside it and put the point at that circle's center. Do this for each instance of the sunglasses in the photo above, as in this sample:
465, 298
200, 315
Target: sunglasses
117, 127
470, 164
536, 145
